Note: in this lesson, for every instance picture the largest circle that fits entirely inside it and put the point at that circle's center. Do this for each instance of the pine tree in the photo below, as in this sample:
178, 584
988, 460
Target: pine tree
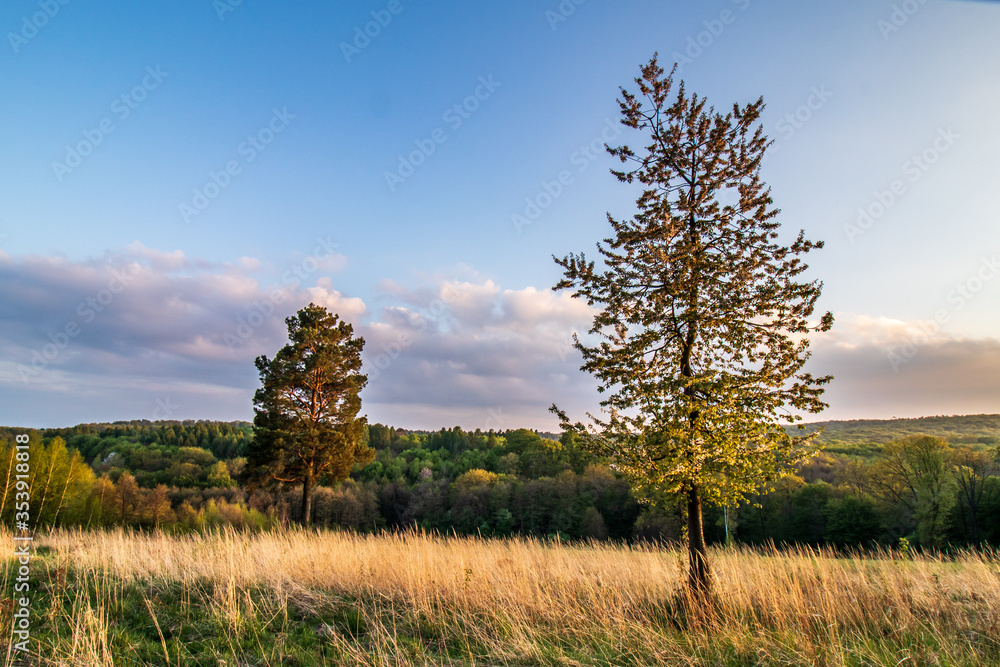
306, 425
700, 335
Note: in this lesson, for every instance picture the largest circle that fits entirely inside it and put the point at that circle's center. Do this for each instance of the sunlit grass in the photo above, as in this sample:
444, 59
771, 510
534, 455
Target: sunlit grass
304, 598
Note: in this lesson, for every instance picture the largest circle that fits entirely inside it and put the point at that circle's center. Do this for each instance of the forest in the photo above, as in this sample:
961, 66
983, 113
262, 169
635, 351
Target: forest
932, 483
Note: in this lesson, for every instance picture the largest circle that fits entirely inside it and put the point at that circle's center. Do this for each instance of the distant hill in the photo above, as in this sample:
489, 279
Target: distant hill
857, 436
865, 436
544, 434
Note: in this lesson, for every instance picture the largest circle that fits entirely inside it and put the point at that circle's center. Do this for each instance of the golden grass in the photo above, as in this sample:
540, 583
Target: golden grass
432, 600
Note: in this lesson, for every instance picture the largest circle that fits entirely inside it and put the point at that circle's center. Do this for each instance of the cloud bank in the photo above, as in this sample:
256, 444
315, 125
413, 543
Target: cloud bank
148, 334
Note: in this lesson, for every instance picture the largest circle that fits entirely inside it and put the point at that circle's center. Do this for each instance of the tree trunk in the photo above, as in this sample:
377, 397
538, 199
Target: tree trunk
307, 484
6, 486
45, 491
699, 573
975, 524
62, 498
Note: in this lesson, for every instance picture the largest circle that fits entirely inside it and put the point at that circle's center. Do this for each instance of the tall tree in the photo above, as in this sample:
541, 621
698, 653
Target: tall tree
156, 505
78, 479
914, 474
306, 423
701, 323
128, 498
972, 472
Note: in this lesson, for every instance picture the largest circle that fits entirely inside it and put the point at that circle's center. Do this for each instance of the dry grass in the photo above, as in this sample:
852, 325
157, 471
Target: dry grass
303, 597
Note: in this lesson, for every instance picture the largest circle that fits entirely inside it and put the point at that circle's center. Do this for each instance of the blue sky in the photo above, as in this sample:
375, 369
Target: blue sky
236, 161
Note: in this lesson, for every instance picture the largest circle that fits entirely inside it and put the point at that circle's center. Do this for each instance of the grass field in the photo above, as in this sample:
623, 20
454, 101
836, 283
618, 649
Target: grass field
307, 598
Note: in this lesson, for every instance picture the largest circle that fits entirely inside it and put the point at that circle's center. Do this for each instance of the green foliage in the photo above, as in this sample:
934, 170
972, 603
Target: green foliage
807, 522
223, 439
59, 482
218, 475
833, 498
914, 475
852, 521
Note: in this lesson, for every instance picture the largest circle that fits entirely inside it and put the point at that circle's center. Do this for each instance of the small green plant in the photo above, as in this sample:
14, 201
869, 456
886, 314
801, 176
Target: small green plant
904, 548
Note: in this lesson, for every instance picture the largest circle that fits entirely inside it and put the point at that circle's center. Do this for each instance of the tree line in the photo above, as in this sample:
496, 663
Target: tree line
924, 489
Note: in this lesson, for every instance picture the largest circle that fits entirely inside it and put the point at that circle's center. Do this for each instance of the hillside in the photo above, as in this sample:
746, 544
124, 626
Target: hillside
865, 436
957, 429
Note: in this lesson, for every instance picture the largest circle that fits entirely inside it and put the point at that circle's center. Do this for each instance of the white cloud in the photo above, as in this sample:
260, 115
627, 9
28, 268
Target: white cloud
165, 324
164, 261
144, 317
477, 351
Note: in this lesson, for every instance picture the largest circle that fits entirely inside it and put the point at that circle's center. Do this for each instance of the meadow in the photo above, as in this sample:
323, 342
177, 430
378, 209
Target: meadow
301, 597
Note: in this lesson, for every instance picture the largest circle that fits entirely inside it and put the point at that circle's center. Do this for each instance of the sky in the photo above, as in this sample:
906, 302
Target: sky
178, 177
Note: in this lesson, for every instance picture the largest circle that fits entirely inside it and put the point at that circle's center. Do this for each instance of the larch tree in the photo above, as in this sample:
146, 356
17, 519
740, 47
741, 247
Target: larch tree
700, 335
128, 498
306, 424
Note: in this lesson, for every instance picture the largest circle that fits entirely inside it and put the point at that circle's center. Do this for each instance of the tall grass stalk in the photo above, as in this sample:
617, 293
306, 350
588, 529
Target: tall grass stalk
307, 597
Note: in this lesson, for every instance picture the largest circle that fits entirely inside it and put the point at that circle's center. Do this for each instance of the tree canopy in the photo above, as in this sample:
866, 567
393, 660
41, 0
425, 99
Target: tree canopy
306, 424
700, 337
